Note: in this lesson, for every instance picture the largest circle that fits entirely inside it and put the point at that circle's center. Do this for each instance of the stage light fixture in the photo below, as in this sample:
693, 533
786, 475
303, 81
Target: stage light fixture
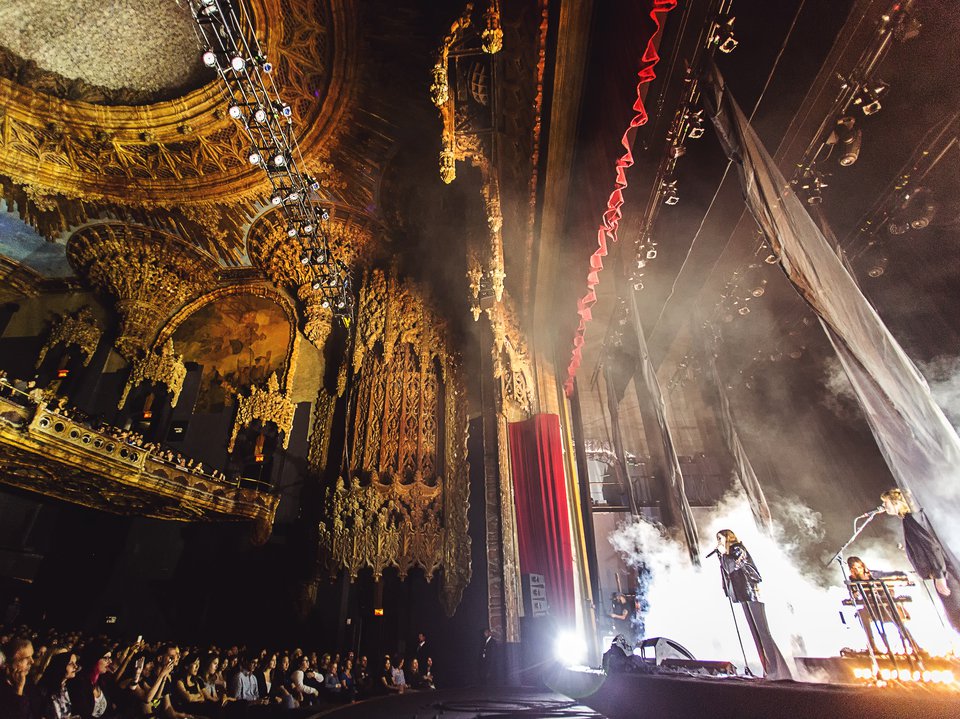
235, 112
569, 648
724, 39
267, 67
341, 304
254, 158
260, 115
237, 63
314, 185
325, 214
279, 160
652, 254
848, 138
672, 199
276, 199
305, 258
316, 285
307, 228
209, 58
325, 304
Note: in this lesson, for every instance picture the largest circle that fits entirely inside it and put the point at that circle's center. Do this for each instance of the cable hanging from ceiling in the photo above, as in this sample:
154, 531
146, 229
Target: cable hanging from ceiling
230, 46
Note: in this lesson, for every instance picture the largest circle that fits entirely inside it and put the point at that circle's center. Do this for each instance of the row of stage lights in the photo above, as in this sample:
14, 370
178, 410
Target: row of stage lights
936, 676
232, 49
687, 124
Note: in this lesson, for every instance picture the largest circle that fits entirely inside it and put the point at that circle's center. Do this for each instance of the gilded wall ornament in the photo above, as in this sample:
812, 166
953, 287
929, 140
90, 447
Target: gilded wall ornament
184, 150
79, 330
148, 274
350, 234
162, 367
270, 404
403, 500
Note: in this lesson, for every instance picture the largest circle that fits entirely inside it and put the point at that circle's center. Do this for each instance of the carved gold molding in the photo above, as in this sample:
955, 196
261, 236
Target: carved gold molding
266, 405
164, 367
53, 456
185, 150
403, 501
351, 236
147, 272
79, 330
256, 289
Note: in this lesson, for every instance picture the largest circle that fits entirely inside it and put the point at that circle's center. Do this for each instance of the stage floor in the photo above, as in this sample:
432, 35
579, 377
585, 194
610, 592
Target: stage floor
500, 702
633, 696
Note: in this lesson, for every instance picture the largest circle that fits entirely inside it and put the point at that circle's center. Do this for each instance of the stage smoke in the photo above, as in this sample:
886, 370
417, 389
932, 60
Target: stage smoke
803, 598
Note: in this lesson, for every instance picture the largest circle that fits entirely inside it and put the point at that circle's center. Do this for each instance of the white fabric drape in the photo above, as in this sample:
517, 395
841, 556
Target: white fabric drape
919, 444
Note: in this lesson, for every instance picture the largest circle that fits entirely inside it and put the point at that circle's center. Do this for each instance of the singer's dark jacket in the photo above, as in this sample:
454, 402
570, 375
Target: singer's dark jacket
923, 550
739, 574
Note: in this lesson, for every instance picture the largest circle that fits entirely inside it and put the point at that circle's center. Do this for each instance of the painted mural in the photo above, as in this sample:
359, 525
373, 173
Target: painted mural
21, 243
239, 340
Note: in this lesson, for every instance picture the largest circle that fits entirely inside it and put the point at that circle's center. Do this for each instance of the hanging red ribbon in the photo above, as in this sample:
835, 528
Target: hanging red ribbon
611, 217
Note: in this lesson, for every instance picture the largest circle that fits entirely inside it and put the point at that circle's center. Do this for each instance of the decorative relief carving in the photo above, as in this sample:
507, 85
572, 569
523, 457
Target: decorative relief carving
147, 272
266, 405
322, 425
406, 484
55, 456
89, 151
164, 367
350, 236
79, 329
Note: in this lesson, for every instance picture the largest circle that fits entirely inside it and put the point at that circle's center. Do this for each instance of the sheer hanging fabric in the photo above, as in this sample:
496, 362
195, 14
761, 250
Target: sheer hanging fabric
678, 493
741, 462
919, 444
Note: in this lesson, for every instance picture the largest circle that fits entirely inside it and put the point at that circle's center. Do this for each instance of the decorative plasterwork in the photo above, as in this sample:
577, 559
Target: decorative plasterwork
403, 500
53, 46
266, 405
164, 367
350, 235
48, 454
148, 273
79, 329
186, 150
511, 362
241, 287
468, 128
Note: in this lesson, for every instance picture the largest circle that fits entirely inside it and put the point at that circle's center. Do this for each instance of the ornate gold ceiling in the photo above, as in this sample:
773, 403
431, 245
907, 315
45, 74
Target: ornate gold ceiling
186, 150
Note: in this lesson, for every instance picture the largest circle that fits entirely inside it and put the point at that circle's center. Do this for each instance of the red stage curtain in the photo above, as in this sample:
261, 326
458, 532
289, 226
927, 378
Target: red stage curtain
543, 522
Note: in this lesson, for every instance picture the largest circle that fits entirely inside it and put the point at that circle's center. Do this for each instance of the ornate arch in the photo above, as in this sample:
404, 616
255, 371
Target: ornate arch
258, 290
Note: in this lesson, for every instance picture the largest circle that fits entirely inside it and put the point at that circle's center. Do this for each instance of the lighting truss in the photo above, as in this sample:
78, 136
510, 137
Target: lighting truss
230, 46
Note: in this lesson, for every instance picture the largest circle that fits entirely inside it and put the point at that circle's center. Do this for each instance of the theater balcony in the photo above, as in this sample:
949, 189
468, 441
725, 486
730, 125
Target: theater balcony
46, 452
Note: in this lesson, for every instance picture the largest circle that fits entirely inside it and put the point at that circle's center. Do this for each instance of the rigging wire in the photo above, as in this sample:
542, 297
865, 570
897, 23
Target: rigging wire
726, 170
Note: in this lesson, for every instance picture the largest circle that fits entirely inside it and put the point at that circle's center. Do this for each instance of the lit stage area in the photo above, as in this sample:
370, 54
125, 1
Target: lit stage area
593, 696
666, 696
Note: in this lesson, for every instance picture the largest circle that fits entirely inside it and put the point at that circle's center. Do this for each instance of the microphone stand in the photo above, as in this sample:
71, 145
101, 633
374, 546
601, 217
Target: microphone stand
736, 625
857, 530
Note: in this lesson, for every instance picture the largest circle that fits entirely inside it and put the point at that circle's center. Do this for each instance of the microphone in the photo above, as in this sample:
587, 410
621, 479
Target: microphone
715, 551
872, 512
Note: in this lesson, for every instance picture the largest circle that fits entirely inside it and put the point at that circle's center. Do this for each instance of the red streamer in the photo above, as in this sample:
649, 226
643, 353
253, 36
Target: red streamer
613, 214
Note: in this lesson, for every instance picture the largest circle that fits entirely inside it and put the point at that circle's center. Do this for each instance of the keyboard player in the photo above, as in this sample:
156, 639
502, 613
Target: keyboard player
875, 608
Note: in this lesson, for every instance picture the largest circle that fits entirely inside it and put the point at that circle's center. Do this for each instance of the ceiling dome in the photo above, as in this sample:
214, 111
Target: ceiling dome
149, 48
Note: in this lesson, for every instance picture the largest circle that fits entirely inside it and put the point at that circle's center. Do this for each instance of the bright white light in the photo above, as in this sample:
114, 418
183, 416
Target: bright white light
254, 158
325, 304
279, 160
276, 199
209, 59
237, 63
235, 112
260, 115
569, 648
307, 229
292, 232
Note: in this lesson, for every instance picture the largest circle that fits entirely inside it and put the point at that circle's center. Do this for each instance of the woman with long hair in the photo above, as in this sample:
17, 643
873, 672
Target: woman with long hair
54, 697
741, 583
88, 698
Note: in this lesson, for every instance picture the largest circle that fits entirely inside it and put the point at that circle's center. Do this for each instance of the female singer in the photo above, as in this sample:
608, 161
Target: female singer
741, 584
